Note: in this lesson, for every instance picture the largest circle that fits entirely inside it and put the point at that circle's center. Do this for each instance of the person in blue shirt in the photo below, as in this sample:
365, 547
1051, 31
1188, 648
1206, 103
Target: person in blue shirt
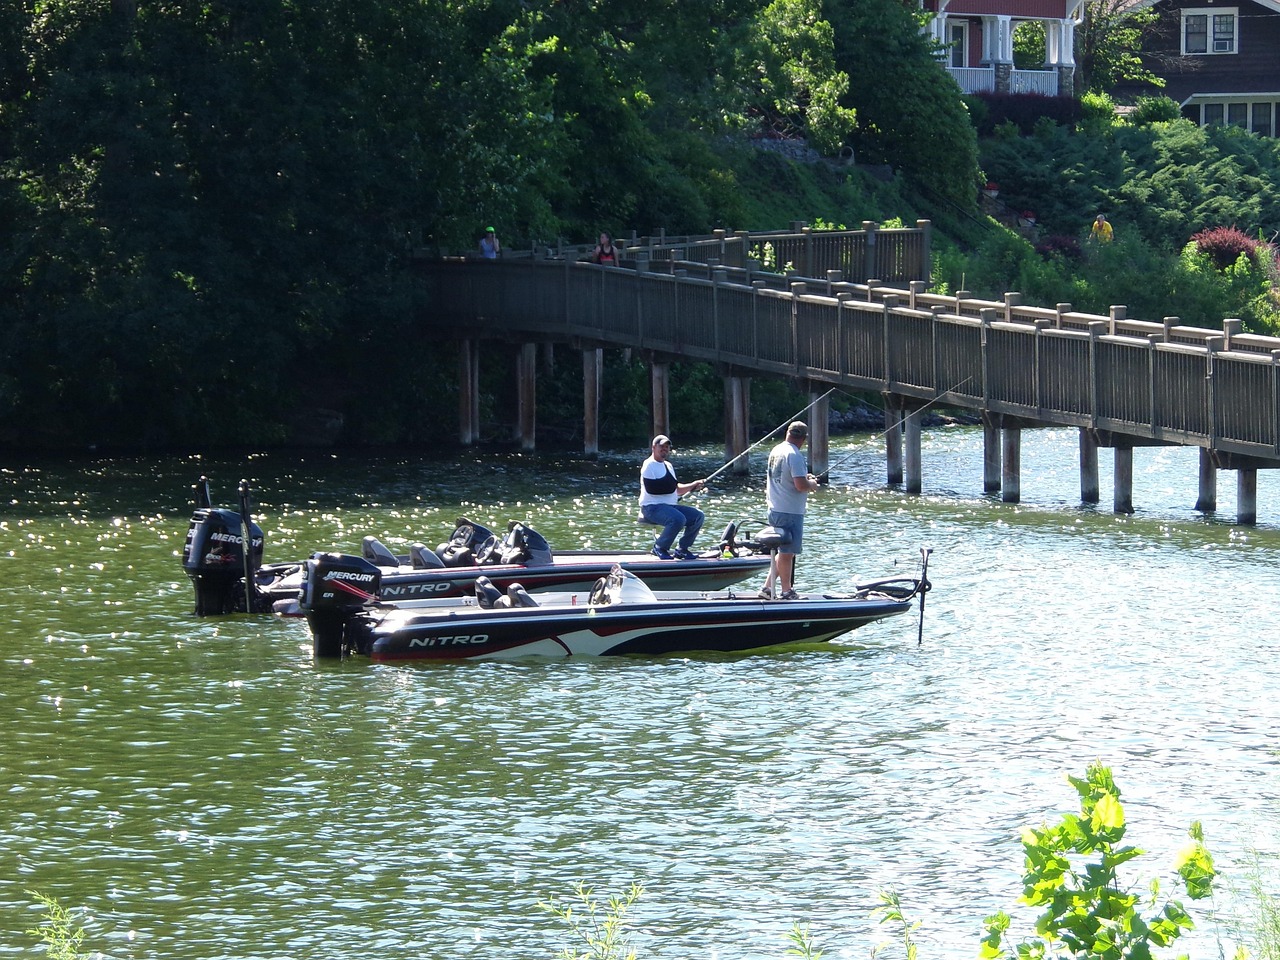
660, 493
489, 245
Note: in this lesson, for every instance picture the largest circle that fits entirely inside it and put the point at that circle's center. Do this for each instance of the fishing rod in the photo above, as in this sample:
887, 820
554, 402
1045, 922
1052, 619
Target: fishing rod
825, 475
784, 423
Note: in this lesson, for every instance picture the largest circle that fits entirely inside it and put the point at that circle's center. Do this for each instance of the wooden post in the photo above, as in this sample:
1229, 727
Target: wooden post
527, 396
893, 438
990, 453
819, 432
1090, 491
1011, 471
1208, 499
1122, 495
592, 372
468, 392
737, 422
1247, 496
911, 445
659, 380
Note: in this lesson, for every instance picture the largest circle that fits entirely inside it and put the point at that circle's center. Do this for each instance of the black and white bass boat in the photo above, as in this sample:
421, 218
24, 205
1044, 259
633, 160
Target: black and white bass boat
229, 579
619, 615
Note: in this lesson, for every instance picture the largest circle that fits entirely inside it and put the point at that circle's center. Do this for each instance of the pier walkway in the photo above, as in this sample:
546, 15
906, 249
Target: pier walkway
1124, 382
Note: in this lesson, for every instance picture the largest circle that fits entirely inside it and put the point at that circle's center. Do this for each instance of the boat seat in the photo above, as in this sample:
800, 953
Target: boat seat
487, 595
424, 558
376, 552
518, 596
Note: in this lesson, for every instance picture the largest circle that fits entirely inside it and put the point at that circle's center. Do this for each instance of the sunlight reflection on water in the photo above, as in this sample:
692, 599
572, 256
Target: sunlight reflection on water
202, 787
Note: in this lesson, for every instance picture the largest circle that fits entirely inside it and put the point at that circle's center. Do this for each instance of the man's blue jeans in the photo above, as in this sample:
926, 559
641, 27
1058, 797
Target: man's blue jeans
673, 516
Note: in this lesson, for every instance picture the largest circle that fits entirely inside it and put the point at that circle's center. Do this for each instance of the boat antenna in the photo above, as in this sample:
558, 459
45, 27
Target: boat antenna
246, 544
826, 474
780, 426
924, 588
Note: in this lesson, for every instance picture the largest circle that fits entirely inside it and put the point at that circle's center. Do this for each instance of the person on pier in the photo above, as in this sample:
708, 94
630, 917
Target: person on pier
605, 252
787, 488
660, 493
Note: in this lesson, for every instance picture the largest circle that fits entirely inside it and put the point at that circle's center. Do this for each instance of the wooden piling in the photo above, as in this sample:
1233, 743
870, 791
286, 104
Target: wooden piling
1207, 502
1090, 489
1122, 494
1011, 469
468, 392
527, 396
592, 373
1247, 496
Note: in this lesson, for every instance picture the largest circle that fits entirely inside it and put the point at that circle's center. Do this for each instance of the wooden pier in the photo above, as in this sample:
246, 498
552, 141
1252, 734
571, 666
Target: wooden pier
1123, 382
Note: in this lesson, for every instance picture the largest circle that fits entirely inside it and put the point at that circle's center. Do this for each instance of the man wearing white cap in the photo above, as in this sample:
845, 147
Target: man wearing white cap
660, 494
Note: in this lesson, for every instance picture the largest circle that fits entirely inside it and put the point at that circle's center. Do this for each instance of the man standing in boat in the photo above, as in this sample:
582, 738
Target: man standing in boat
660, 494
787, 489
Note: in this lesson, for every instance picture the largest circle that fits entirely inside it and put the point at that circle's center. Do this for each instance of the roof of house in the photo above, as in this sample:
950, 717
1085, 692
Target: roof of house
1273, 5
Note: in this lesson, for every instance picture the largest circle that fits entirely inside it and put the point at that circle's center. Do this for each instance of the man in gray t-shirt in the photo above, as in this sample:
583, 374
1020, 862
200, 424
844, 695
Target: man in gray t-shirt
787, 490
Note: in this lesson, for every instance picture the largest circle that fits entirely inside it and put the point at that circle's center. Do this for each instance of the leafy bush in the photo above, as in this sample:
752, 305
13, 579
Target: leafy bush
1097, 113
1150, 110
1059, 245
979, 113
1088, 912
1225, 245
1024, 109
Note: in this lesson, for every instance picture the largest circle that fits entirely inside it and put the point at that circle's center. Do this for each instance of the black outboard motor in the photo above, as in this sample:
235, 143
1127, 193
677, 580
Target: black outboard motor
214, 559
335, 586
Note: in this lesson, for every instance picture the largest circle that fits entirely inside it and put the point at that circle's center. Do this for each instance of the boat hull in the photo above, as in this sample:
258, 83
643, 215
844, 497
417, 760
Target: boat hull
664, 627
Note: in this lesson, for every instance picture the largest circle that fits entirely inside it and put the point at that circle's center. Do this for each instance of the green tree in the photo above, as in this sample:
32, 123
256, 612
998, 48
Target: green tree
909, 110
801, 89
1108, 44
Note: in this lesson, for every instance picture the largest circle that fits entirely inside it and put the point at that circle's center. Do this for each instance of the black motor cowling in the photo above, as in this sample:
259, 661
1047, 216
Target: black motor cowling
334, 587
213, 557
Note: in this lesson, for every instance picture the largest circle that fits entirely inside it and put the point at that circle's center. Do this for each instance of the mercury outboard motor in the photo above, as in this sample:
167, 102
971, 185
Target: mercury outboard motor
334, 587
215, 560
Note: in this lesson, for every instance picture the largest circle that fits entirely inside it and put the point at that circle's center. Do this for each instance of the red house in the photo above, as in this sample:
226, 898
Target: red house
978, 35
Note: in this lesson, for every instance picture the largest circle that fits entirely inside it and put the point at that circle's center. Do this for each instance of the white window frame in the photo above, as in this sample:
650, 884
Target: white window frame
961, 47
1225, 103
1210, 41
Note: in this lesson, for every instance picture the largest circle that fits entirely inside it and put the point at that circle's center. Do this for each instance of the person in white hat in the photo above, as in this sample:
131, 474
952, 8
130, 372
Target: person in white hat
660, 494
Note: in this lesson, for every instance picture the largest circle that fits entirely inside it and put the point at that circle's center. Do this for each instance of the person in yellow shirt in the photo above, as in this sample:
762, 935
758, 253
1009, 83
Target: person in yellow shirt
1102, 231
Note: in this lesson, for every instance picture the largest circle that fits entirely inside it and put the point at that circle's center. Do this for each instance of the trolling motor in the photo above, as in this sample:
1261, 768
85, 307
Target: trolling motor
221, 570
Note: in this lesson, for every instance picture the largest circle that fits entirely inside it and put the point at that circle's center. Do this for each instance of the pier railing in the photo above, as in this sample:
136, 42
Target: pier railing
1156, 381
893, 255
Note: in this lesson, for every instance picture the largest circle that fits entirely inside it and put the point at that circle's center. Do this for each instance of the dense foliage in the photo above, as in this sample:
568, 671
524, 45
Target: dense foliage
207, 208
1161, 184
206, 212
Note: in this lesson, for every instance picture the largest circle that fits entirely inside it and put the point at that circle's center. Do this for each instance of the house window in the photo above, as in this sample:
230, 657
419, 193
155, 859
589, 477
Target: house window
1262, 119
958, 41
1258, 117
1209, 31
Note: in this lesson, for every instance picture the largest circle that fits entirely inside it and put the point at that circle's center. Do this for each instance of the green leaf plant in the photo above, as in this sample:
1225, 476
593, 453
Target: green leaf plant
59, 934
599, 926
1088, 912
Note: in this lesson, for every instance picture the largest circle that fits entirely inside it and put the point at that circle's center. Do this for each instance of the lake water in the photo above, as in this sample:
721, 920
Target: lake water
201, 788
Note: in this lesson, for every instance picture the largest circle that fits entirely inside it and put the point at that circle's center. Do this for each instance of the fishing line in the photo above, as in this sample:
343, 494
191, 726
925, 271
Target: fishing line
825, 475
784, 423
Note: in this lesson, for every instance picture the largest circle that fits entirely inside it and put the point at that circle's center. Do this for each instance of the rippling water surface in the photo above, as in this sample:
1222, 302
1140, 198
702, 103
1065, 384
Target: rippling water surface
202, 788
